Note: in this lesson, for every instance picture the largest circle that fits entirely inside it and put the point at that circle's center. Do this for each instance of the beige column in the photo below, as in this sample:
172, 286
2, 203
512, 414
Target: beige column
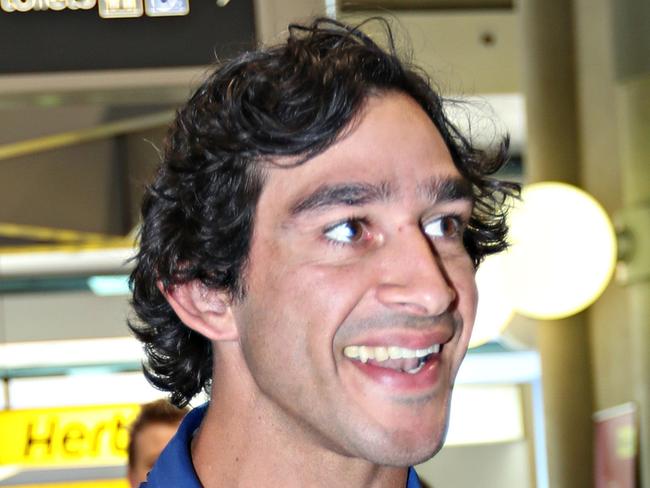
552, 153
634, 98
614, 80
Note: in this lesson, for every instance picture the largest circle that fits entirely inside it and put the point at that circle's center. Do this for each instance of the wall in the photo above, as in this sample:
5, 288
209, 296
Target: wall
485, 466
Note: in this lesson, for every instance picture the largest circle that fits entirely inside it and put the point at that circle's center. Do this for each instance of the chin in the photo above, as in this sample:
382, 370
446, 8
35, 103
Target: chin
402, 458
404, 450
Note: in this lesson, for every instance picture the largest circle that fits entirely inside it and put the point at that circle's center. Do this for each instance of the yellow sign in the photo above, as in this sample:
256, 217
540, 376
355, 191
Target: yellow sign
27, 5
626, 441
96, 435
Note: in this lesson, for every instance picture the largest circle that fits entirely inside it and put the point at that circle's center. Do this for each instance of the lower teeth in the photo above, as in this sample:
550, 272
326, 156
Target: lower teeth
420, 365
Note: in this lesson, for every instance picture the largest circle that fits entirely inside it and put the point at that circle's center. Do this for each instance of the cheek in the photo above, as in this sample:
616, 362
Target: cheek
289, 306
308, 283
468, 303
463, 279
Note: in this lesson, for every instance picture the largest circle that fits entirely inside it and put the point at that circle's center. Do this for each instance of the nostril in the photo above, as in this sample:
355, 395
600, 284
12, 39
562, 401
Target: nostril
414, 309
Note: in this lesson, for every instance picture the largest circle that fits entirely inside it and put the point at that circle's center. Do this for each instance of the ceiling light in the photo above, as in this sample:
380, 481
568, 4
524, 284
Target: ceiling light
563, 251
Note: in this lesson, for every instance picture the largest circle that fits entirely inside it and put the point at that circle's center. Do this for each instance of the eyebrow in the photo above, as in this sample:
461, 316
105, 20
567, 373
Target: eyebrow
347, 194
354, 194
438, 190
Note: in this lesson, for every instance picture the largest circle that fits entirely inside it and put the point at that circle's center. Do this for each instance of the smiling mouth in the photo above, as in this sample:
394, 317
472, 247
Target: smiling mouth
401, 359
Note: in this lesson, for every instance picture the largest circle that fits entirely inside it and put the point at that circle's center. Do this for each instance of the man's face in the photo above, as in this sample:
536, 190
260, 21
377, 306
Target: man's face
149, 443
358, 254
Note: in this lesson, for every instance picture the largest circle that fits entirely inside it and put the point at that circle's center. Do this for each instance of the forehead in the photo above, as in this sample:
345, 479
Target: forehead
156, 433
392, 144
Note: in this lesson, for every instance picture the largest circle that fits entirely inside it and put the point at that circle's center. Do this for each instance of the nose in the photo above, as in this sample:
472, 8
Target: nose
413, 277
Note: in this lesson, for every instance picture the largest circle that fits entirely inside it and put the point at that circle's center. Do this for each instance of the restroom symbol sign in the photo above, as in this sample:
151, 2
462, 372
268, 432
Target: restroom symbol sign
164, 8
111, 9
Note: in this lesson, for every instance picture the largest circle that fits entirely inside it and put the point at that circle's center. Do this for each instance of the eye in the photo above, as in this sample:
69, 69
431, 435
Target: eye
446, 226
346, 232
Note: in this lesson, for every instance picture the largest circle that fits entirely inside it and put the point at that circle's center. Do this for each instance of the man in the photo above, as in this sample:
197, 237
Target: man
307, 255
150, 432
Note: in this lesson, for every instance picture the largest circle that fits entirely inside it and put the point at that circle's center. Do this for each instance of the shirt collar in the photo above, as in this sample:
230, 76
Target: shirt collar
174, 466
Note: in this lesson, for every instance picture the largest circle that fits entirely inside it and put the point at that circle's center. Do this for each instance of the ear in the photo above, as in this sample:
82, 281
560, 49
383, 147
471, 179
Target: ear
202, 309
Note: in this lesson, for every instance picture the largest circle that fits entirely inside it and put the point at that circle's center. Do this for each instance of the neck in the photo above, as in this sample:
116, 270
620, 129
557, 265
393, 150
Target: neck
237, 447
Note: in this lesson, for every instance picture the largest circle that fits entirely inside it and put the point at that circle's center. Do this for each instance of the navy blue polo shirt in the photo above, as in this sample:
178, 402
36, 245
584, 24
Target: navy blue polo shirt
174, 466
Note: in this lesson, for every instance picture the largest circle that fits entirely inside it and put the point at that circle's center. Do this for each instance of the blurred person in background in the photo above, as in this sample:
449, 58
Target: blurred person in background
150, 432
307, 257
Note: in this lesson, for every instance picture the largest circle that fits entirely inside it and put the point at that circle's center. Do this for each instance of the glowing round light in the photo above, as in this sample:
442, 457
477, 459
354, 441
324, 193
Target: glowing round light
495, 309
563, 251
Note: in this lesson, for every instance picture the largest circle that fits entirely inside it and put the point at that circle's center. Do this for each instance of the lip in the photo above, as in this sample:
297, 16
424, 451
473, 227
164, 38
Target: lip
418, 385
425, 379
410, 340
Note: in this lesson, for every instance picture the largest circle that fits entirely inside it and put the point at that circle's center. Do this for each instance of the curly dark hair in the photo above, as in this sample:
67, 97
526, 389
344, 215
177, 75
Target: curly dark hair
291, 100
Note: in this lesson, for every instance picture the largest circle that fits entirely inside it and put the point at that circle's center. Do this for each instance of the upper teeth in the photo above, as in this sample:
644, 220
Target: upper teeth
382, 353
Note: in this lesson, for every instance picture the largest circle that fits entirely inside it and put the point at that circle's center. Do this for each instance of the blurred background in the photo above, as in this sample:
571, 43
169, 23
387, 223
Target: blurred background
549, 396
